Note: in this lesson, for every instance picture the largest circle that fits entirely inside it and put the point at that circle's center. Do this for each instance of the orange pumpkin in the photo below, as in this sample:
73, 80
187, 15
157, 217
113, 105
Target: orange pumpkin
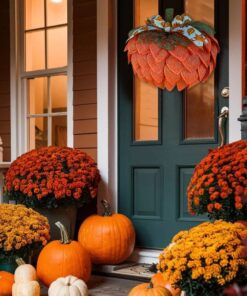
110, 239
6, 283
158, 280
149, 290
63, 258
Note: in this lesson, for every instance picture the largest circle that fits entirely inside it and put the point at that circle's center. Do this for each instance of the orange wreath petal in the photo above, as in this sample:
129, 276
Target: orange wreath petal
180, 66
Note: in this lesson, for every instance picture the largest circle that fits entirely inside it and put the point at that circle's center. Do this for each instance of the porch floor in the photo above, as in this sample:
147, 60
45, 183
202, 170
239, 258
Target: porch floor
106, 286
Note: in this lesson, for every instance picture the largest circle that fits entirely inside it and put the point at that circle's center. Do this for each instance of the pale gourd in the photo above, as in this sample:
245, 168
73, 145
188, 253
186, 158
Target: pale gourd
30, 288
24, 272
25, 280
69, 286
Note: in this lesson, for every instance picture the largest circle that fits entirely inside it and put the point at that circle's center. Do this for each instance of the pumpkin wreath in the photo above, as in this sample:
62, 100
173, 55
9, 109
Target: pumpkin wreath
175, 52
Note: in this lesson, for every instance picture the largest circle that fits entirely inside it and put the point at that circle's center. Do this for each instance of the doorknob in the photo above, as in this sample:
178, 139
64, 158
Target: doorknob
222, 120
225, 92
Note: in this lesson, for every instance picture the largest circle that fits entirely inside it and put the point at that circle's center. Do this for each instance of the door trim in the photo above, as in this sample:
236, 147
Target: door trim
235, 68
147, 256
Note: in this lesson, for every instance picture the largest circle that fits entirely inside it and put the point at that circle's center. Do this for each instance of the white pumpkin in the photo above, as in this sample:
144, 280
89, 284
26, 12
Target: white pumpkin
30, 288
25, 273
69, 286
25, 280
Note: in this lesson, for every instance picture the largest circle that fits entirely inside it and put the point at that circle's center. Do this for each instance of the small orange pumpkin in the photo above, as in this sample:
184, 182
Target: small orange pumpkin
6, 283
63, 258
158, 280
110, 239
149, 290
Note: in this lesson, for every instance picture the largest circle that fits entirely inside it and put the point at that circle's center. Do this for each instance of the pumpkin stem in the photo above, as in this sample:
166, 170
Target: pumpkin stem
169, 14
64, 233
107, 207
20, 261
151, 285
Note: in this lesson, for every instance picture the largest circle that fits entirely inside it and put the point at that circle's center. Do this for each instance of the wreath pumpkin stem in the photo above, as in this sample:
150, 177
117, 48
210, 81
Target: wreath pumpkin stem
169, 14
64, 233
107, 208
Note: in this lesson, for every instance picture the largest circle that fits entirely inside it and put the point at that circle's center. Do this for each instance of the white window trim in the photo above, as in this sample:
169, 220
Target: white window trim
17, 90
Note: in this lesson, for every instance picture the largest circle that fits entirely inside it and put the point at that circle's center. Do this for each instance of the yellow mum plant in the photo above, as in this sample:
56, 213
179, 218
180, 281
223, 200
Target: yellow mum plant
206, 258
21, 229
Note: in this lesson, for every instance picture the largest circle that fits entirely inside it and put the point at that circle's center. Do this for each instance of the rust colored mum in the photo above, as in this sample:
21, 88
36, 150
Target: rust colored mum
51, 176
183, 65
219, 184
21, 228
205, 258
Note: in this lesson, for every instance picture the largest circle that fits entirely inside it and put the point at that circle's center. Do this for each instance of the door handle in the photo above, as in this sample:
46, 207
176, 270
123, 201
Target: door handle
222, 123
225, 92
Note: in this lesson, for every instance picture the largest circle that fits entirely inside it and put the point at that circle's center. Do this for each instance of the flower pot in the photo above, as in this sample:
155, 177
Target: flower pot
65, 214
8, 264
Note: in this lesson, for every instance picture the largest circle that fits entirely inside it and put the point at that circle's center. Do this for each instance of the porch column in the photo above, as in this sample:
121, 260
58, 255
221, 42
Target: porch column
243, 120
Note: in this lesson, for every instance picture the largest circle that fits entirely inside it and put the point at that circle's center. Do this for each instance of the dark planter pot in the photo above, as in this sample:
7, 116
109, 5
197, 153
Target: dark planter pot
65, 214
8, 265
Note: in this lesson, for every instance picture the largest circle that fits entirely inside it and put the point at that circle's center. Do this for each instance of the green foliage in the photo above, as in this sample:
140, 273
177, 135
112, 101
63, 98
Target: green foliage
164, 40
202, 27
48, 201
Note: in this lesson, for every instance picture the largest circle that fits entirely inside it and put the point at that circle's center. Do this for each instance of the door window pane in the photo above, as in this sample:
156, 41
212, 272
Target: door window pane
56, 12
145, 95
200, 100
35, 50
38, 98
59, 131
34, 14
57, 47
59, 93
38, 132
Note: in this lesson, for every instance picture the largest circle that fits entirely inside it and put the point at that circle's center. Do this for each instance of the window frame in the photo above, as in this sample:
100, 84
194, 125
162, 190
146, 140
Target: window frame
19, 78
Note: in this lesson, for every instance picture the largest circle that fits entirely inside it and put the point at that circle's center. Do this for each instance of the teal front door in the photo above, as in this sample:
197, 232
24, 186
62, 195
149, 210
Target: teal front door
162, 134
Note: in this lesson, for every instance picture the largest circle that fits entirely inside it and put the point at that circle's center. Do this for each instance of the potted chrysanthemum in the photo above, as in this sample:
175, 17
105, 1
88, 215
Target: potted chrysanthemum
22, 230
218, 186
206, 258
53, 178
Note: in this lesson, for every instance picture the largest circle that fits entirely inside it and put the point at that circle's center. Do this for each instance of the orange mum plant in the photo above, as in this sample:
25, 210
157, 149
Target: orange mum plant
219, 184
172, 53
52, 176
205, 259
21, 229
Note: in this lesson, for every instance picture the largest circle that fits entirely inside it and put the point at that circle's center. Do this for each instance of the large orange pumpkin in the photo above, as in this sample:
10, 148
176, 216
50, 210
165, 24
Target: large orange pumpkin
158, 280
110, 239
6, 283
149, 290
63, 258
170, 60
